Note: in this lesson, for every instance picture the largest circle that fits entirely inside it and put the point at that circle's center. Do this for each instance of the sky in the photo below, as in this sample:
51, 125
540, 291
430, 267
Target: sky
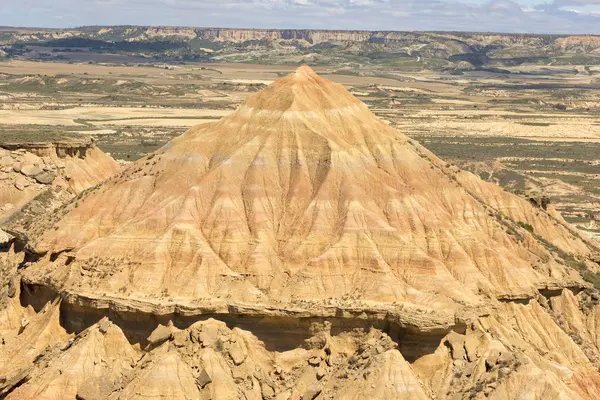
514, 16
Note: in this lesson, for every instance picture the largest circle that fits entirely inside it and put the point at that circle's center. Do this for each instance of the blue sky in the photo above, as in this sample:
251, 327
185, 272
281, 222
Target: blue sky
526, 16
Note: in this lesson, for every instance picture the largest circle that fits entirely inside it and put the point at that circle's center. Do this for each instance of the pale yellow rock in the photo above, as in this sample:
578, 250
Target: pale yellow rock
161, 334
76, 170
388, 377
222, 387
30, 170
94, 354
41, 332
165, 376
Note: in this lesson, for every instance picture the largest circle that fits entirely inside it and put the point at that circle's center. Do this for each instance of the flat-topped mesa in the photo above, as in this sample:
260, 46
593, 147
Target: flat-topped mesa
54, 148
30, 168
302, 194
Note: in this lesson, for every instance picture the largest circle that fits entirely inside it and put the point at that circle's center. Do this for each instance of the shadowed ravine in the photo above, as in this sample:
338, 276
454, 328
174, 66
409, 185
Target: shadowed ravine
278, 333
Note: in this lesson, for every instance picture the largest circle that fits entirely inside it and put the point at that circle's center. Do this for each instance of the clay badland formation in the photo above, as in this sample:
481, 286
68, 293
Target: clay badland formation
299, 248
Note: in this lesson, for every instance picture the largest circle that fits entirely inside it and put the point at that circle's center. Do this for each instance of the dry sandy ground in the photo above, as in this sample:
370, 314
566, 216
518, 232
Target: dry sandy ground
561, 129
214, 71
451, 110
109, 116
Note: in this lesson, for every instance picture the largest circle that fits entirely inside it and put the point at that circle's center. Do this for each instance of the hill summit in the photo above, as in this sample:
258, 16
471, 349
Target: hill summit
302, 207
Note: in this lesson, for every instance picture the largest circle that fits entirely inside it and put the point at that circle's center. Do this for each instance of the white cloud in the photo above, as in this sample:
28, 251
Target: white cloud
576, 2
470, 15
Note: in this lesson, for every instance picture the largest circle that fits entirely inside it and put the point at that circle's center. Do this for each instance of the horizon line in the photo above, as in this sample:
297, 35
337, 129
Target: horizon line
10, 27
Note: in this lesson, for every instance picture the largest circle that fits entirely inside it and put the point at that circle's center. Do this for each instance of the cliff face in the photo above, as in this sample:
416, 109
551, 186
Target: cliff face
36, 179
310, 37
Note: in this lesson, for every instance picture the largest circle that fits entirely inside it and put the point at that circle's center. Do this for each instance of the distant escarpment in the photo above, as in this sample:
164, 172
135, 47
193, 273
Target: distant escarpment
432, 50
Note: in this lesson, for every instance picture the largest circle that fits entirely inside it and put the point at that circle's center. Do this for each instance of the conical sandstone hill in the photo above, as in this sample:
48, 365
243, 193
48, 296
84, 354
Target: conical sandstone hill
356, 263
301, 194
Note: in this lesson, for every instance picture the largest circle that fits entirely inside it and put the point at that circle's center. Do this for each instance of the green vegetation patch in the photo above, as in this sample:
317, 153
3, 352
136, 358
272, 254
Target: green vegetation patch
535, 123
15, 134
526, 226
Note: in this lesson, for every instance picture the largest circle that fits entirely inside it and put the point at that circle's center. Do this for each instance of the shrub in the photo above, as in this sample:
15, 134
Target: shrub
526, 226
592, 277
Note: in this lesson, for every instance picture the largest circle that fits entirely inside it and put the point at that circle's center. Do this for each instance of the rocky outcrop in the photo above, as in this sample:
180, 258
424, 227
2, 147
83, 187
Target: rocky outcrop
22, 347
53, 149
87, 366
28, 170
520, 350
208, 360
